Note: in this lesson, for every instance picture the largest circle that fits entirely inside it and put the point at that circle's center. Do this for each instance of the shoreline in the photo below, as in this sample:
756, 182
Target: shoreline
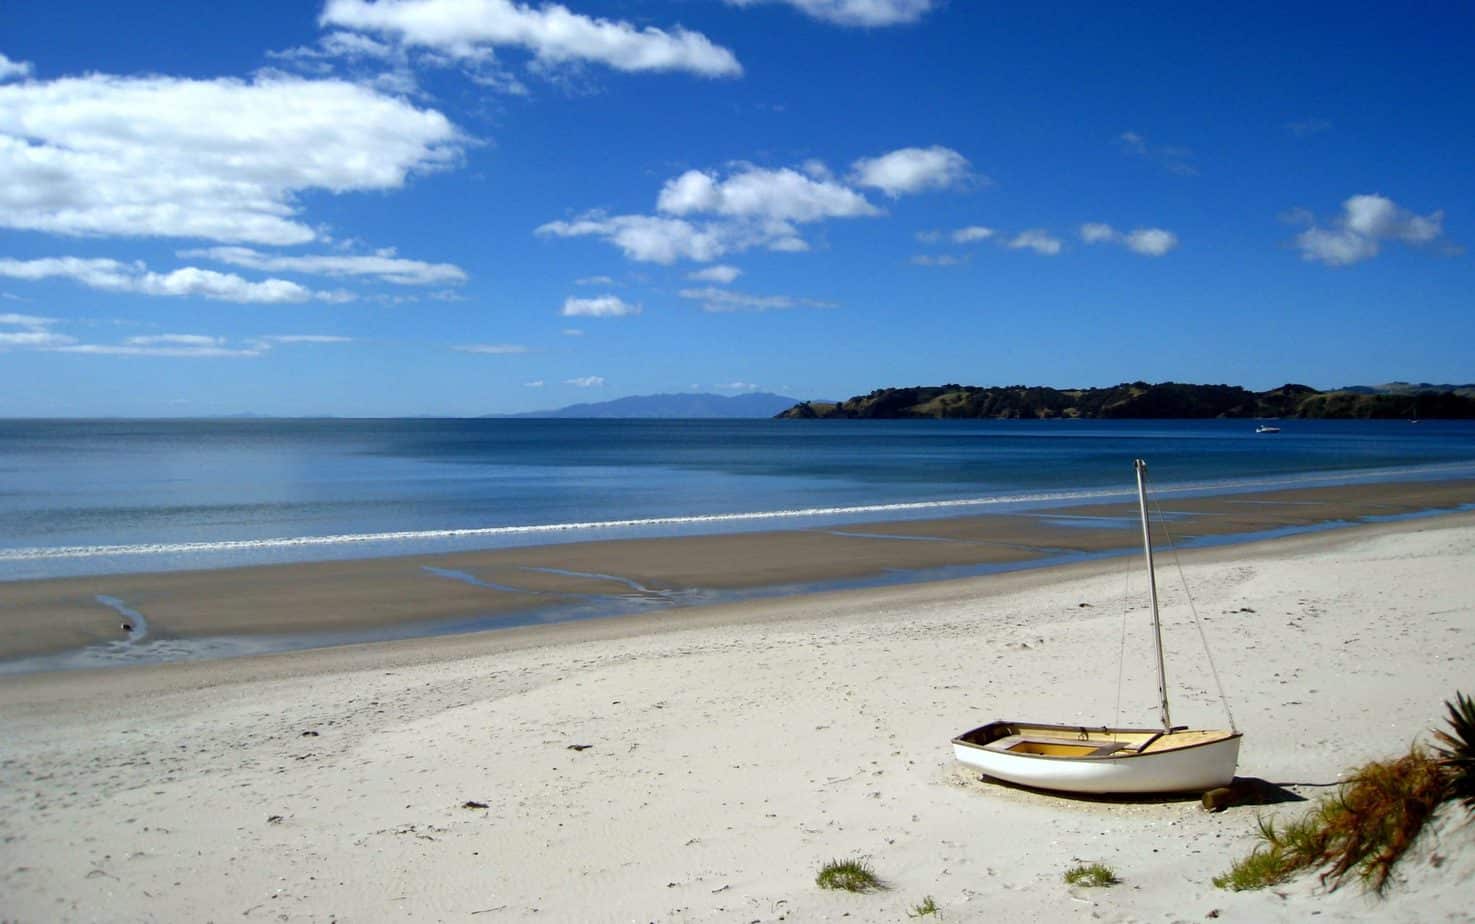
731, 751
29, 563
100, 684
74, 623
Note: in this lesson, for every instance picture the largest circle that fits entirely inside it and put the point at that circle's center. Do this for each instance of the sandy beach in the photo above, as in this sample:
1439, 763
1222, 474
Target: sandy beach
725, 753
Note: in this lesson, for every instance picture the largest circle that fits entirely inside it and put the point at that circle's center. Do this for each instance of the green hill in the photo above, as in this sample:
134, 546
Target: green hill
1138, 400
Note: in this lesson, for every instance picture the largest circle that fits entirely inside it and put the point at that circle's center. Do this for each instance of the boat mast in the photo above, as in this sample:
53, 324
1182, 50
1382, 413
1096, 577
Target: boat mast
1157, 627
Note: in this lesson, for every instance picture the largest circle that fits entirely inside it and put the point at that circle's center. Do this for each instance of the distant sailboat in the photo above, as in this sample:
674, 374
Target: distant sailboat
1100, 759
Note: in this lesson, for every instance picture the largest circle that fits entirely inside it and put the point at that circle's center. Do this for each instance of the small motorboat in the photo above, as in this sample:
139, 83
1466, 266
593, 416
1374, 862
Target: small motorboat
1266, 428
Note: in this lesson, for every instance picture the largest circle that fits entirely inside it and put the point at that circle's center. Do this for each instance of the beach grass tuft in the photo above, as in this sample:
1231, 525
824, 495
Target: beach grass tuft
850, 875
924, 908
1095, 875
1361, 831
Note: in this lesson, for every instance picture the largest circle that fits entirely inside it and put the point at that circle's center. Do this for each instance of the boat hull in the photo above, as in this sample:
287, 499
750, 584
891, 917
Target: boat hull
1101, 761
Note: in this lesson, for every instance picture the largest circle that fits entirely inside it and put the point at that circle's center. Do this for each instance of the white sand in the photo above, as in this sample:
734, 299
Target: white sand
734, 750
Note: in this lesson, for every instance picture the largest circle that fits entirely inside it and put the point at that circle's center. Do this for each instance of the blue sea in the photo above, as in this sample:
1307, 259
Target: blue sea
106, 496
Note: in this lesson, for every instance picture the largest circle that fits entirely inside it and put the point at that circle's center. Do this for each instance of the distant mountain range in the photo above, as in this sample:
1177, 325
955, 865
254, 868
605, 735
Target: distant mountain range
1142, 400
686, 405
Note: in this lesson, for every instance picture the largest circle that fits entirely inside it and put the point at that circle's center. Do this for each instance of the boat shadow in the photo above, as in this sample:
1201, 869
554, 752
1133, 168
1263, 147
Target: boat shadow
1245, 790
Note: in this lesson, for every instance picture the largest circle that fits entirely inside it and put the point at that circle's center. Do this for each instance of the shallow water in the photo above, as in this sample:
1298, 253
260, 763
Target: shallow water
90, 497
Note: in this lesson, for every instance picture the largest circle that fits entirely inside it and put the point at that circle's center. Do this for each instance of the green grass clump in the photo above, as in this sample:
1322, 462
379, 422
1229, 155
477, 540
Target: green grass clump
1282, 853
1374, 818
1262, 868
850, 875
1363, 830
922, 909
1095, 875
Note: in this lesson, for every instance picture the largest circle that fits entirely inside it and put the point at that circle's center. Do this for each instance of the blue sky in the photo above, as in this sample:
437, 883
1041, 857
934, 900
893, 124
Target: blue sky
401, 207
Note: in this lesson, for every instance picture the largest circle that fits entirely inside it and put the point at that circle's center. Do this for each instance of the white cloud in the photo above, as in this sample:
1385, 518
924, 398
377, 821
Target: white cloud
10, 69
535, 383
384, 67
1036, 239
34, 333
115, 276
194, 340
705, 215
856, 12
95, 273
912, 170
648, 238
572, 332
471, 29
595, 281
1149, 242
1173, 159
1358, 232
738, 386
782, 239
718, 301
181, 346
587, 381
1337, 247
601, 306
971, 234
350, 45
37, 336
721, 273
1377, 216
307, 338
34, 339
757, 193
493, 349
228, 287
946, 259
26, 320
382, 264
222, 159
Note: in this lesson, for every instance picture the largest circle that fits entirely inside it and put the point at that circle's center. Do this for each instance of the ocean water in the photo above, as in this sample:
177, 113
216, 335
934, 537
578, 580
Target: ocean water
89, 497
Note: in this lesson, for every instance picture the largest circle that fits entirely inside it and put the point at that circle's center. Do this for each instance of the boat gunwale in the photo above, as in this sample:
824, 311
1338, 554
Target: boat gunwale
1114, 757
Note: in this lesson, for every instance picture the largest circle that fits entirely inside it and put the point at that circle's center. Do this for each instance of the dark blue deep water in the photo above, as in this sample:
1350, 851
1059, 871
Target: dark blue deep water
81, 497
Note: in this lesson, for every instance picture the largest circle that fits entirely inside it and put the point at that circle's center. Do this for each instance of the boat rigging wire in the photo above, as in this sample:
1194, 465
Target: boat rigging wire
1197, 622
1121, 657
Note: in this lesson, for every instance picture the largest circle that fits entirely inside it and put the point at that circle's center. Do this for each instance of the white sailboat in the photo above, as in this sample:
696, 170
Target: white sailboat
1101, 759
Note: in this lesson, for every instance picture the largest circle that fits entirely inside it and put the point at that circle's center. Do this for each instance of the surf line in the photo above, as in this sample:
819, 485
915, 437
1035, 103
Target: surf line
235, 545
288, 542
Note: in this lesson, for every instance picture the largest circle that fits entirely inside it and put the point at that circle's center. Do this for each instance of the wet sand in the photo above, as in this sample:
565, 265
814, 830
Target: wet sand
464, 590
